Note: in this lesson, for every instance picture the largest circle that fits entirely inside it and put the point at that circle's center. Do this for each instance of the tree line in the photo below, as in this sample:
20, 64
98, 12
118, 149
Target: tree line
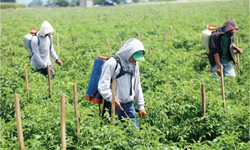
71, 3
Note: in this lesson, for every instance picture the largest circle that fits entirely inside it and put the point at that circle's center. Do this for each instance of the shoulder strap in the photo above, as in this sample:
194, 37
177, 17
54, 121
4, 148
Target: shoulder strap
117, 61
38, 46
122, 72
37, 39
50, 38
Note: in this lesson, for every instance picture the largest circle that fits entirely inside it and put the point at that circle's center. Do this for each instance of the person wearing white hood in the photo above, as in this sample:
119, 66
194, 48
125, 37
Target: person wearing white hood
128, 86
42, 48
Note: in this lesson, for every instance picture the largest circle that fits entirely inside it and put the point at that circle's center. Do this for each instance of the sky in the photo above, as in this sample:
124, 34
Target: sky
26, 2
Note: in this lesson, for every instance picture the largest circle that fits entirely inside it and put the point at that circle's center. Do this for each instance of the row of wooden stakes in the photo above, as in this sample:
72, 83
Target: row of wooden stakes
63, 126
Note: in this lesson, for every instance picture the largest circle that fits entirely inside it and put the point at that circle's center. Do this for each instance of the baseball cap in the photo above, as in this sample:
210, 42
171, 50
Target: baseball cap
233, 30
139, 56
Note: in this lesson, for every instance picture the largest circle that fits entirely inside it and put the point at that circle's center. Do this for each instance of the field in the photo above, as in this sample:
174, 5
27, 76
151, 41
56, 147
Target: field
170, 81
11, 6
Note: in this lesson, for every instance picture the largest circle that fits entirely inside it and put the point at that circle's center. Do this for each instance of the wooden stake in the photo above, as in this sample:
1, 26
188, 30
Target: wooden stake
120, 43
50, 85
203, 22
109, 48
166, 38
238, 54
183, 20
27, 83
3, 55
63, 127
19, 122
85, 21
113, 97
74, 42
203, 98
189, 28
171, 31
11, 54
138, 35
76, 109
222, 86
57, 37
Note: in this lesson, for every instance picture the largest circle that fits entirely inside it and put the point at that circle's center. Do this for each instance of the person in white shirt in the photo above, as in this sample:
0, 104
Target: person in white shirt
42, 48
128, 86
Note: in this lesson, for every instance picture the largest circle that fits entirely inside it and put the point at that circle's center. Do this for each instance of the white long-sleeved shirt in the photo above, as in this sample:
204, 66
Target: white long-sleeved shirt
41, 53
123, 84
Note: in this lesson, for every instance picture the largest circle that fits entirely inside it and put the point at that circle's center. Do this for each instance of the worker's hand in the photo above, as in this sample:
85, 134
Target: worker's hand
117, 103
50, 69
142, 113
240, 50
59, 62
218, 70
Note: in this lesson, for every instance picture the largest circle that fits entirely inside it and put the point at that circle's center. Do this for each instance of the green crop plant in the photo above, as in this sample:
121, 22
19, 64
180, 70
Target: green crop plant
170, 81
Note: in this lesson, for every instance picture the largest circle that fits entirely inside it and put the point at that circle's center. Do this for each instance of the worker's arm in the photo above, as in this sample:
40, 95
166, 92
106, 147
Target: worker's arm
217, 61
237, 48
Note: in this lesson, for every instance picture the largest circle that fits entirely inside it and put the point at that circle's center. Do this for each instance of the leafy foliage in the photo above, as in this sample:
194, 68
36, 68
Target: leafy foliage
62, 3
36, 3
11, 5
170, 82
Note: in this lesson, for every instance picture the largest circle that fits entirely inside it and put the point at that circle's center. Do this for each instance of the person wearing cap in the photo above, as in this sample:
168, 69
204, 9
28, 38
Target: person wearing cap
221, 48
42, 48
128, 86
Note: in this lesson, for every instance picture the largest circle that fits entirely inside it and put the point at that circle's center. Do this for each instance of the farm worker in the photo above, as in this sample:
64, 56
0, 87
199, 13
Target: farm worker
128, 86
221, 48
42, 48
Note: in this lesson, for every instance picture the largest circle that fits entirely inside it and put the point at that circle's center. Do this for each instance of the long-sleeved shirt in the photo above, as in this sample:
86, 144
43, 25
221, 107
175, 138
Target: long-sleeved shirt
123, 84
41, 50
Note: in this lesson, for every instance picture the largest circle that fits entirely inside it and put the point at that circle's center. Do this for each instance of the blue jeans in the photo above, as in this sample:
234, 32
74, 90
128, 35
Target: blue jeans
228, 69
129, 108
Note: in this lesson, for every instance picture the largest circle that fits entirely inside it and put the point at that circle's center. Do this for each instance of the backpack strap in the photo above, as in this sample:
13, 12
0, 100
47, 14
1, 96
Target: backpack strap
122, 72
50, 38
50, 47
31, 49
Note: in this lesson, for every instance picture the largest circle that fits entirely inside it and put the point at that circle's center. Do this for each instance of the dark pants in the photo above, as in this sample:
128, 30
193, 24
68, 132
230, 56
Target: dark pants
44, 71
129, 108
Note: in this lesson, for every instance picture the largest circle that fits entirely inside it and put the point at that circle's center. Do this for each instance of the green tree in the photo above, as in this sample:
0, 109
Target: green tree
50, 3
74, 3
136, 1
117, 1
62, 3
98, 1
77, 2
36, 3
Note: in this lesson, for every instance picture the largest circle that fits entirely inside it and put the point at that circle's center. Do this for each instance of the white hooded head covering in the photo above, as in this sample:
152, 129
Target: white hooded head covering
45, 28
129, 48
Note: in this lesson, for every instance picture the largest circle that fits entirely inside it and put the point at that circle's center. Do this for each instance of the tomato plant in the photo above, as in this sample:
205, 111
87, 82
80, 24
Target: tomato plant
170, 82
